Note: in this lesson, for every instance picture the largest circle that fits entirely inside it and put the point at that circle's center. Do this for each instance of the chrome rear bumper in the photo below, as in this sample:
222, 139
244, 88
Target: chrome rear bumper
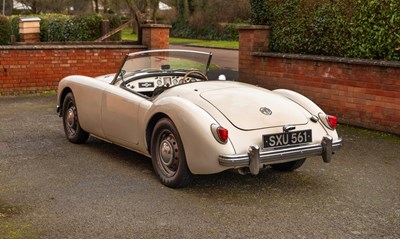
255, 158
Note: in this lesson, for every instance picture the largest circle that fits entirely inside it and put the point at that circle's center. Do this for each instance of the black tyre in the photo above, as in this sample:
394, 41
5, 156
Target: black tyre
168, 155
289, 166
72, 128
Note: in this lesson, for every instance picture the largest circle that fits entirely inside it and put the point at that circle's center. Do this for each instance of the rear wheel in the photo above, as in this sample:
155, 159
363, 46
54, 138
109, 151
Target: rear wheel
289, 166
168, 155
72, 128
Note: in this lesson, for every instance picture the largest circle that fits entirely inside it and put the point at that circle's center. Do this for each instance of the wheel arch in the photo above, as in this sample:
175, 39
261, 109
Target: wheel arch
62, 96
150, 127
201, 147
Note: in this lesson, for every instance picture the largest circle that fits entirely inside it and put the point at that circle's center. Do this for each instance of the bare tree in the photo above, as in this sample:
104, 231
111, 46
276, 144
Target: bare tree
56, 5
106, 5
34, 5
138, 9
39, 6
6, 9
81, 6
154, 5
96, 6
182, 7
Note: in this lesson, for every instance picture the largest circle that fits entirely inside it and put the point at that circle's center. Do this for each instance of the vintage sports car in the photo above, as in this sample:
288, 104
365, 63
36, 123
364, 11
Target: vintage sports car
162, 104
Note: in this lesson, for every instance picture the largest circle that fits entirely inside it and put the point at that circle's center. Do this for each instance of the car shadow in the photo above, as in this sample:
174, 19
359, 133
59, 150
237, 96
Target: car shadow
120, 154
267, 180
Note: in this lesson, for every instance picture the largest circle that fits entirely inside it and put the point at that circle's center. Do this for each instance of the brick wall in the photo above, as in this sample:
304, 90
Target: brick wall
33, 68
28, 69
360, 92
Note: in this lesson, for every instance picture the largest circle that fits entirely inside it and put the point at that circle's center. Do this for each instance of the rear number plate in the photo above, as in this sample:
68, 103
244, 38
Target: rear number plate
289, 138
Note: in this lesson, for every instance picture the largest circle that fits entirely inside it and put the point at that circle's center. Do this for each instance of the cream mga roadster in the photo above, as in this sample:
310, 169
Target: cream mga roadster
162, 104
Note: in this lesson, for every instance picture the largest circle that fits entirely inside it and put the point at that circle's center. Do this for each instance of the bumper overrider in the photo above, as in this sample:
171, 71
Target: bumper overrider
255, 158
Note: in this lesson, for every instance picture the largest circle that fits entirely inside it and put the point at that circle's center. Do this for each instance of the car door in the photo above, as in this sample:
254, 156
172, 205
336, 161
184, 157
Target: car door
119, 116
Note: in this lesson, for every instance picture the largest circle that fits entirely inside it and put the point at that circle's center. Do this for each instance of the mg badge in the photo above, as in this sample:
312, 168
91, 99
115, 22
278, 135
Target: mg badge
265, 111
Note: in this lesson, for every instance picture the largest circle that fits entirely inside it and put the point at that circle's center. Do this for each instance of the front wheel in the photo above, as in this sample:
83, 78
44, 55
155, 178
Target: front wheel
72, 128
289, 166
168, 155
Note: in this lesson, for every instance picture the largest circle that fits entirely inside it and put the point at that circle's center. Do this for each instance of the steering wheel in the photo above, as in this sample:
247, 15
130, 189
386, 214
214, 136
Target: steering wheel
199, 73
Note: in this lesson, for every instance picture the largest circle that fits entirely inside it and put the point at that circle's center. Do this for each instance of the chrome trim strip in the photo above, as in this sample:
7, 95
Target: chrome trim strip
167, 50
281, 155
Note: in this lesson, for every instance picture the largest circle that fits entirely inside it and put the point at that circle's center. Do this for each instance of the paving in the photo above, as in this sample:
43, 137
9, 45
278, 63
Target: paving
50, 188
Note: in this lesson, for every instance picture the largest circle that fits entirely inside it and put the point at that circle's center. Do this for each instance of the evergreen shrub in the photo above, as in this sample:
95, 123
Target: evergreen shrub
363, 28
62, 28
5, 30
227, 32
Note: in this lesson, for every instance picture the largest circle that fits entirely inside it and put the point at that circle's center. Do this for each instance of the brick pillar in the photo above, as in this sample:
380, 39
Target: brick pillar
252, 38
29, 29
155, 36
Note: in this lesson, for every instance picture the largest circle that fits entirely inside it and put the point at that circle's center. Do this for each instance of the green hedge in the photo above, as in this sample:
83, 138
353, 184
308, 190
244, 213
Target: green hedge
61, 28
375, 30
364, 28
14, 23
115, 22
5, 30
52, 27
227, 32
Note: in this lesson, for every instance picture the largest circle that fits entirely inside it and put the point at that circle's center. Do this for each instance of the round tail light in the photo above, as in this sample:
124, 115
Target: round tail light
220, 133
332, 120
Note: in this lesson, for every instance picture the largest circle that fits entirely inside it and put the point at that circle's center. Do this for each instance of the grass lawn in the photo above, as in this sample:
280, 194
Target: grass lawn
127, 35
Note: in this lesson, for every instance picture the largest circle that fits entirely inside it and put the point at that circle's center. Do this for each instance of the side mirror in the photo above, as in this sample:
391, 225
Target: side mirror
222, 77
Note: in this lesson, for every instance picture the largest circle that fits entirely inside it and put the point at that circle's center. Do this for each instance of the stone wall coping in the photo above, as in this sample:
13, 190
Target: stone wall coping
69, 46
156, 26
354, 61
253, 27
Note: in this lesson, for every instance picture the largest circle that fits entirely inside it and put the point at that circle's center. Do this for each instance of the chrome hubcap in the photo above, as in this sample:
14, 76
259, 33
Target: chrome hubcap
168, 154
70, 117
71, 120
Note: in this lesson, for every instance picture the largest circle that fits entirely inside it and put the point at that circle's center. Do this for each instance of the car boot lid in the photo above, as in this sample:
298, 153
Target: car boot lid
249, 108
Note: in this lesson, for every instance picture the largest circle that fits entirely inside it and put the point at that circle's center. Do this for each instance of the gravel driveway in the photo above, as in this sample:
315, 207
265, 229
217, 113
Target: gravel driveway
50, 188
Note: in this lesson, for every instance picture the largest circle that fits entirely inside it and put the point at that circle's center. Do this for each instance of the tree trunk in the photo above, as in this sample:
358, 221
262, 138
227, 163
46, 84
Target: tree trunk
80, 6
8, 7
139, 26
136, 13
183, 10
154, 6
96, 6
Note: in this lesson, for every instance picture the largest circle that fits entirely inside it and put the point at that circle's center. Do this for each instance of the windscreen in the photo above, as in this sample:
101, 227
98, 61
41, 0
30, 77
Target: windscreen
167, 60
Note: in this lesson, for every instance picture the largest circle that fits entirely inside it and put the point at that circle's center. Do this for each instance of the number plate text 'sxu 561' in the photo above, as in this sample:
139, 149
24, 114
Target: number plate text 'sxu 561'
289, 138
